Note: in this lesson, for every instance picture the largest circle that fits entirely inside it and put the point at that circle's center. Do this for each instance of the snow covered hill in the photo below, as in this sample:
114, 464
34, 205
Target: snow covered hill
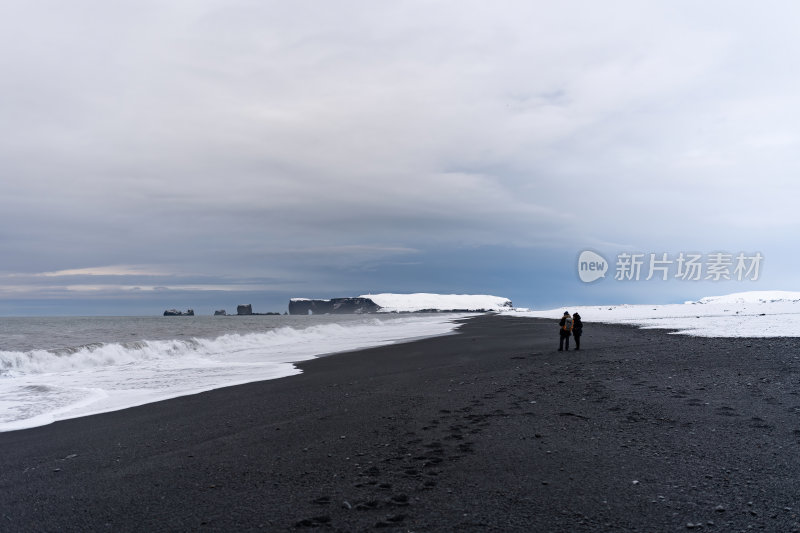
743, 314
406, 303
752, 297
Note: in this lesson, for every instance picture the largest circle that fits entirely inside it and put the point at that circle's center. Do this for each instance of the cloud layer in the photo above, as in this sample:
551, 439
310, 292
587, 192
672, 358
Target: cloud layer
325, 146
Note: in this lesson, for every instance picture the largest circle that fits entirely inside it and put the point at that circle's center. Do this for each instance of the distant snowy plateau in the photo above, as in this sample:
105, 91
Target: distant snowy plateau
743, 314
401, 303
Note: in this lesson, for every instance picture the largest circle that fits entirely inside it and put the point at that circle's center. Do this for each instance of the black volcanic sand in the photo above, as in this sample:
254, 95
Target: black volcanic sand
488, 430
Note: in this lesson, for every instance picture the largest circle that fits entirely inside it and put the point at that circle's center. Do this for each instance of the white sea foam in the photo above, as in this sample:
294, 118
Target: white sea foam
38, 387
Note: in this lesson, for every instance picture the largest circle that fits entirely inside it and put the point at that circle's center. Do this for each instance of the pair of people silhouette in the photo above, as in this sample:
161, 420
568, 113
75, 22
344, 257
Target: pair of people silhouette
570, 325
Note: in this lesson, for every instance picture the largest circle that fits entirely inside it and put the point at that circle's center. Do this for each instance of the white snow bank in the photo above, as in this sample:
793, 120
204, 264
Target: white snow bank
404, 303
744, 314
752, 297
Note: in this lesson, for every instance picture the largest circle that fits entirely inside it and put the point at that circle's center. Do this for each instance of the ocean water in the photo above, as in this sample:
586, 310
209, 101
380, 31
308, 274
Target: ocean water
58, 368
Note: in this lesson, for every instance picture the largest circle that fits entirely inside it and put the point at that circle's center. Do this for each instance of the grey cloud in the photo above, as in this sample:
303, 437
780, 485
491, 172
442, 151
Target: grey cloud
227, 137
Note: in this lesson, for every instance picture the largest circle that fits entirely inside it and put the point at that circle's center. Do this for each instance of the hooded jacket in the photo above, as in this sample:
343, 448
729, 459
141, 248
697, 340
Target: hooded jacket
577, 325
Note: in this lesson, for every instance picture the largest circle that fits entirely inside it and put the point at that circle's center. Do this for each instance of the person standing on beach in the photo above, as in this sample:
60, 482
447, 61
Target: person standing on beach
577, 329
564, 331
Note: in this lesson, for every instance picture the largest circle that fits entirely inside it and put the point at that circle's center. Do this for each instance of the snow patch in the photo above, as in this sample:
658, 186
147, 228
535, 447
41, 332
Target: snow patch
752, 297
409, 303
742, 314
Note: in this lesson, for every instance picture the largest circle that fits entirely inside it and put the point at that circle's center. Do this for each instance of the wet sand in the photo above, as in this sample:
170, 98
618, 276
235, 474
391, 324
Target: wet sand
490, 429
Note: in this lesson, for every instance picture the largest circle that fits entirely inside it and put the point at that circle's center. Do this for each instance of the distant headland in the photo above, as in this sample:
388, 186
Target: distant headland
401, 303
379, 303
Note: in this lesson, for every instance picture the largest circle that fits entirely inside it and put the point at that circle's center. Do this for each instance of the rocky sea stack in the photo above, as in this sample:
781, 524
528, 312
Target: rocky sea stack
175, 312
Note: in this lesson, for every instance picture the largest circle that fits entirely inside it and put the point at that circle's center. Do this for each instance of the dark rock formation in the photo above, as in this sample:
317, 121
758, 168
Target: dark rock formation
175, 312
335, 306
220, 312
247, 310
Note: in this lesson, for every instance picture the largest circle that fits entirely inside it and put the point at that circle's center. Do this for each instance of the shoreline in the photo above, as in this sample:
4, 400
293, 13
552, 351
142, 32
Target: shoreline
101, 375
489, 429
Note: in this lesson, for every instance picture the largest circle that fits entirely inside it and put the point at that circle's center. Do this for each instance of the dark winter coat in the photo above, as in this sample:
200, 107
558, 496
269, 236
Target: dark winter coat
577, 326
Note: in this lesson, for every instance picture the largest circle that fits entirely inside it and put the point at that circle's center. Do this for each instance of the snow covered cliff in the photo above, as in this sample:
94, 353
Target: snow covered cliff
410, 303
401, 303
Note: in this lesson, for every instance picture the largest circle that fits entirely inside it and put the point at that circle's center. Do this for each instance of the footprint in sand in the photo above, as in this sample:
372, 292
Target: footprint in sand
759, 423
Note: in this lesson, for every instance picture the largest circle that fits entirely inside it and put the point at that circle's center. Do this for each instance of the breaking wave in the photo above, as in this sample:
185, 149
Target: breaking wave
40, 386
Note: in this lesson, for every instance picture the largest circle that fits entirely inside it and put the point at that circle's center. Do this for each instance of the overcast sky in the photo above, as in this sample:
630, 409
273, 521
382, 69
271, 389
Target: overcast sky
204, 153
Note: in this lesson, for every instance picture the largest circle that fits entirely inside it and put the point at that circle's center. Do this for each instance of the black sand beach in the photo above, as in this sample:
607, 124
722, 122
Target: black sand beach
491, 429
